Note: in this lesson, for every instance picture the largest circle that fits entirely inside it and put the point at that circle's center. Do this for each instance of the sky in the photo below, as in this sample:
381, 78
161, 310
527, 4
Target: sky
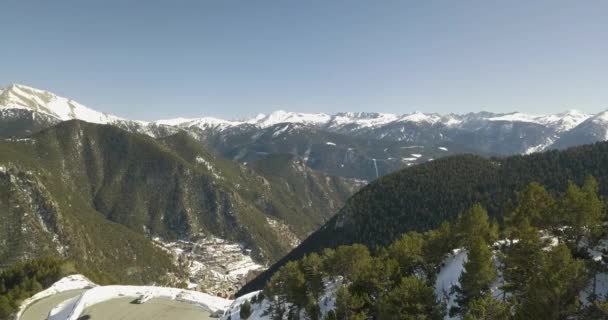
233, 59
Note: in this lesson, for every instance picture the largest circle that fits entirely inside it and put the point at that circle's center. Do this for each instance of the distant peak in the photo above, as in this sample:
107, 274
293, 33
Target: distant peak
19, 96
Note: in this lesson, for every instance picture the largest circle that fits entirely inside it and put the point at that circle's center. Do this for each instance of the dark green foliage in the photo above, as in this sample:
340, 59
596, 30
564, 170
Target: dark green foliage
582, 211
537, 206
24, 279
420, 198
412, 299
385, 286
554, 292
245, 310
103, 192
540, 279
477, 277
487, 308
473, 225
523, 259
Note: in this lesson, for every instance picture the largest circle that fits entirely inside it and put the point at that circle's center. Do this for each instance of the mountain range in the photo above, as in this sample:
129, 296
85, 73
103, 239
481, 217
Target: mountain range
99, 194
422, 197
80, 183
357, 145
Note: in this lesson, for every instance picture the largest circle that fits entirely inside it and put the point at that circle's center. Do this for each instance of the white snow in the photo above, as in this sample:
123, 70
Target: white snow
214, 172
201, 123
18, 96
71, 309
419, 117
362, 120
330, 143
281, 116
443, 148
326, 302
68, 283
448, 276
416, 155
560, 121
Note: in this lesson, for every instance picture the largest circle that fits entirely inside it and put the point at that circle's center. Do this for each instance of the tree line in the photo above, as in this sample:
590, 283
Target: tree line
534, 265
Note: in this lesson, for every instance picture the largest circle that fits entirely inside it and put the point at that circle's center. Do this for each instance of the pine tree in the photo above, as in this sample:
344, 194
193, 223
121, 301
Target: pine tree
348, 305
487, 308
312, 266
583, 211
554, 292
412, 299
474, 223
348, 261
5, 308
537, 206
522, 260
477, 277
408, 252
245, 311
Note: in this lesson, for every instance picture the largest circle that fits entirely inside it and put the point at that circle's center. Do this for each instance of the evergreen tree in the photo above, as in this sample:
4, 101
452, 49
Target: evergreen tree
245, 311
408, 252
312, 266
554, 292
376, 282
411, 299
348, 261
582, 210
287, 285
487, 308
474, 223
537, 206
522, 260
349, 306
477, 277
5, 307
438, 243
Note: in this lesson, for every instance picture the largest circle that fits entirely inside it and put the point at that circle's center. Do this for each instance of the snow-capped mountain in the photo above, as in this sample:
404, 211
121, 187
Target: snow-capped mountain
329, 142
25, 110
591, 130
560, 122
18, 96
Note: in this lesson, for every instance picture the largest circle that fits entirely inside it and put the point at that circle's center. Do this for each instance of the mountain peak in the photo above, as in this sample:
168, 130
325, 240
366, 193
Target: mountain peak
282, 116
18, 96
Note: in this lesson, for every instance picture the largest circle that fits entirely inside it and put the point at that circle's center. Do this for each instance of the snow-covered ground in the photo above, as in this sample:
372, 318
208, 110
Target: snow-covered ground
326, 302
72, 308
68, 283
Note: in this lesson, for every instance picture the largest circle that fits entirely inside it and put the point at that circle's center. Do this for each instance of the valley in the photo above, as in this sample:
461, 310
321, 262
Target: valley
221, 207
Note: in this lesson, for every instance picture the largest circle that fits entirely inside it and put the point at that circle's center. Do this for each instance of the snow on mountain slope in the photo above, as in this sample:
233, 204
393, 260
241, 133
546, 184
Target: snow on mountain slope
201, 123
18, 96
25, 110
281, 116
421, 117
560, 121
361, 119
566, 120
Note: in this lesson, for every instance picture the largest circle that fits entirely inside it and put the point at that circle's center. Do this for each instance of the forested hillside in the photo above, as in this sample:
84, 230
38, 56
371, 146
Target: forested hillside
422, 197
547, 261
97, 194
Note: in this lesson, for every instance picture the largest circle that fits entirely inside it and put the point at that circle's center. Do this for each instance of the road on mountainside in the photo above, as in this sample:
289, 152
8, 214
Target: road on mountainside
155, 309
39, 310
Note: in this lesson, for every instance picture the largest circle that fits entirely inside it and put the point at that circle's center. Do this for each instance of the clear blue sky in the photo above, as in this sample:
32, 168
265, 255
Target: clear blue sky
162, 59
